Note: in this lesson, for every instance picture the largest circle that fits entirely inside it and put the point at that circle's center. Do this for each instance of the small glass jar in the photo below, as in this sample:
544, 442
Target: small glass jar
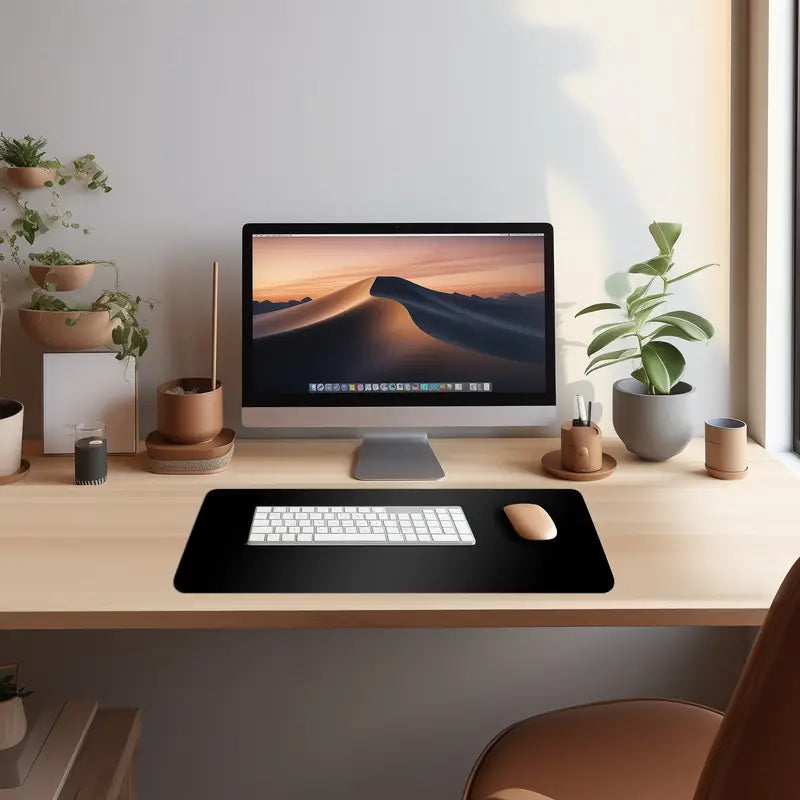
91, 452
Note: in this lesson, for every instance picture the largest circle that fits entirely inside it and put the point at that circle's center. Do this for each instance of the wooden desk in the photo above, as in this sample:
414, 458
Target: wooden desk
685, 549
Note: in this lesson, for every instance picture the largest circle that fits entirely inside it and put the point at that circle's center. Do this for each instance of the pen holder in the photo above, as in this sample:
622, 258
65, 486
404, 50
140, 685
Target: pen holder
581, 447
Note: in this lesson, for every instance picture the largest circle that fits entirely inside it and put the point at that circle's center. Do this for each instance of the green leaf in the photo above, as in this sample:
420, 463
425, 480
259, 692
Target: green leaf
71, 321
665, 234
699, 328
605, 327
691, 272
609, 359
641, 376
622, 355
643, 268
597, 307
645, 311
610, 335
666, 331
637, 293
646, 302
118, 335
664, 365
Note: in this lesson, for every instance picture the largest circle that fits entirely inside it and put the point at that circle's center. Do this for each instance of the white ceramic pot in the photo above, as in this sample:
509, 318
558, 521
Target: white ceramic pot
13, 722
11, 412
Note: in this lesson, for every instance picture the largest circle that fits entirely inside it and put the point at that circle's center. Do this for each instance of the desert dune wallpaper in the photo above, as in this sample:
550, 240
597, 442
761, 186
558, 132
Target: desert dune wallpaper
372, 309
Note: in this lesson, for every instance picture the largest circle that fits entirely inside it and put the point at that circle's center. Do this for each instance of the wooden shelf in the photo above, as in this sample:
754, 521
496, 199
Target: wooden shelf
685, 549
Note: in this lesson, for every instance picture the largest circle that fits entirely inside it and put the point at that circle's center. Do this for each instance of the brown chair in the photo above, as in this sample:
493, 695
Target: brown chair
663, 749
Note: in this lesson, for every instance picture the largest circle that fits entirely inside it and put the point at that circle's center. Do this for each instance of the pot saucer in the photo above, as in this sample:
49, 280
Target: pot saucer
24, 467
726, 476
552, 464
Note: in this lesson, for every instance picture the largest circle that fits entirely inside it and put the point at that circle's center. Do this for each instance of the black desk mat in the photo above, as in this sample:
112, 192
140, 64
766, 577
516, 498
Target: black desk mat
217, 557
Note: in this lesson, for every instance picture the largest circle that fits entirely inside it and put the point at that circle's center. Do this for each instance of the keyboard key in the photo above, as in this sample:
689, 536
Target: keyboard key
305, 537
367, 538
395, 537
258, 537
445, 537
287, 537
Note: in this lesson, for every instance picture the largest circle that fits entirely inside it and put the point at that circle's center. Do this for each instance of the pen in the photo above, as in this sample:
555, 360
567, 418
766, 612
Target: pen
581, 409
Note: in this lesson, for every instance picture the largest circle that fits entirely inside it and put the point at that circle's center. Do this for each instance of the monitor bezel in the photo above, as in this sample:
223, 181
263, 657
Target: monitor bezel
429, 399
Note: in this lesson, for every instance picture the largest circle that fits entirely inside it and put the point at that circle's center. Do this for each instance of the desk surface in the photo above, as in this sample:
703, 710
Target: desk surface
685, 549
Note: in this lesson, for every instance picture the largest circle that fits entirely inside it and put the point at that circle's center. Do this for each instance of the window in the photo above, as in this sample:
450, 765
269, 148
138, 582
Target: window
796, 214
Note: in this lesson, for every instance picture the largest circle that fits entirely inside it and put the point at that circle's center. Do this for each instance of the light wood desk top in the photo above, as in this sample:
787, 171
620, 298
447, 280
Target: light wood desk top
685, 549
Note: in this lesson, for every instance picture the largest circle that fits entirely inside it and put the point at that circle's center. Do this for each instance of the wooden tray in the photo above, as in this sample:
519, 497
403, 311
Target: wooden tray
552, 464
163, 450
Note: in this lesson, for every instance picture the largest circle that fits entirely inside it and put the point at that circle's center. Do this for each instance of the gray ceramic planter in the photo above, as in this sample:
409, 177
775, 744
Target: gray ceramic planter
654, 427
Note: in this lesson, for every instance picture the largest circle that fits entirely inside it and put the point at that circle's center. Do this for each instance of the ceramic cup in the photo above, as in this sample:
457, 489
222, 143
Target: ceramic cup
726, 447
11, 413
581, 447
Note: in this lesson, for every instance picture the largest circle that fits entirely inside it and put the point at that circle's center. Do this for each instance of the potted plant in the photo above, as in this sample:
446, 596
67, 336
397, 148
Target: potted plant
13, 723
57, 271
109, 321
652, 410
24, 164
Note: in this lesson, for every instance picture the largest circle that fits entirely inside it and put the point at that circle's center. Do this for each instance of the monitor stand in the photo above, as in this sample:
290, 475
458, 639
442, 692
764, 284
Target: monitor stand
397, 456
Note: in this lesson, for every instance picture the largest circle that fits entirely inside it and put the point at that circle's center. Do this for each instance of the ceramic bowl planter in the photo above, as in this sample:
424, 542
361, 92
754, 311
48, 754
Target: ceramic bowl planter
28, 177
13, 722
62, 277
50, 329
654, 427
189, 411
11, 414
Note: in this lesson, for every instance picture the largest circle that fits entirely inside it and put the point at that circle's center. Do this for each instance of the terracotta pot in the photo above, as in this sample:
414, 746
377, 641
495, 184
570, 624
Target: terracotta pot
27, 177
13, 722
49, 328
64, 277
189, 418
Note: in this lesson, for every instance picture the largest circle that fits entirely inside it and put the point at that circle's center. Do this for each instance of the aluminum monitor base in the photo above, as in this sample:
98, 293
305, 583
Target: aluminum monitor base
397, 457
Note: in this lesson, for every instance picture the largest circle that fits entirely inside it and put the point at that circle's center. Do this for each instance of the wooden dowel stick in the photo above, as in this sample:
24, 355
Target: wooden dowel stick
214, 304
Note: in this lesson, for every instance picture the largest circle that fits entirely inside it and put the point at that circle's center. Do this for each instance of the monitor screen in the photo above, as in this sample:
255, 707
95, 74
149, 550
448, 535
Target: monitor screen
397, 317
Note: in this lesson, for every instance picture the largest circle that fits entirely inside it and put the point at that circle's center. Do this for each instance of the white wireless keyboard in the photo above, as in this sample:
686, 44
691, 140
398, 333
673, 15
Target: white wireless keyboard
392, 525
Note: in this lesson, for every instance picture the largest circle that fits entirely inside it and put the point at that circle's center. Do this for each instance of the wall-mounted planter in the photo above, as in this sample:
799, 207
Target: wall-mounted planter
27, 177
62, 277
50, 329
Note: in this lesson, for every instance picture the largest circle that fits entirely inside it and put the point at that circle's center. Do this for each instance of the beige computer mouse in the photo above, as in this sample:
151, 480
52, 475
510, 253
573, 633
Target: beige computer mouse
531, 521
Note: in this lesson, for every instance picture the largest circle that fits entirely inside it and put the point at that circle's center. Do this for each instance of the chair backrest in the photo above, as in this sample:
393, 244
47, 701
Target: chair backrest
756, 753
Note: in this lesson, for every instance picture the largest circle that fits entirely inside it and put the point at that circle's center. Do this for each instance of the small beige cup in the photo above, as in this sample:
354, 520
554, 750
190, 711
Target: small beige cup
726, 448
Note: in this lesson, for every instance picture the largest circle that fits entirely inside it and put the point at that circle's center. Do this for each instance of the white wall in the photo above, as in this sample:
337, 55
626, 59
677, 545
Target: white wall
595, 116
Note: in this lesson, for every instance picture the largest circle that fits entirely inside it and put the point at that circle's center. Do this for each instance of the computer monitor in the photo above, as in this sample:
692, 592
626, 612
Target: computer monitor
396, 330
